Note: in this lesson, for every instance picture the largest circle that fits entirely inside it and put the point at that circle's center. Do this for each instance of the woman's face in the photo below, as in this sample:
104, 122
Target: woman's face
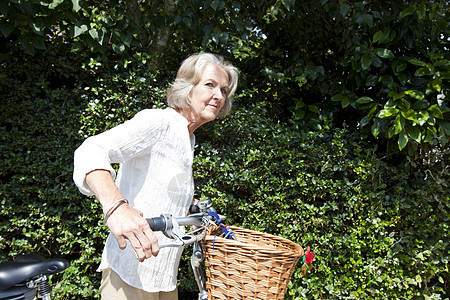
208, 96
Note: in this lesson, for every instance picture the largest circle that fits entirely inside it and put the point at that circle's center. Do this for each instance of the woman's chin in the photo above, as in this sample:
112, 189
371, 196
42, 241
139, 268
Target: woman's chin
209, 115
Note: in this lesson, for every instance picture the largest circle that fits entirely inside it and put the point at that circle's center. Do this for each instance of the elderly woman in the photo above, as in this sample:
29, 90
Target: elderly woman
155, 152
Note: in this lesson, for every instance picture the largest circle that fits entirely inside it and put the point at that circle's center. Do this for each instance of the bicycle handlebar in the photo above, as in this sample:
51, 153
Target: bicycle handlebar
157, 223
170, 226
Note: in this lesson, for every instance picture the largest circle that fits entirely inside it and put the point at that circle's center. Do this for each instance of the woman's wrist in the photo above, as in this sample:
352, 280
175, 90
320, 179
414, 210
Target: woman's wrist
113, 208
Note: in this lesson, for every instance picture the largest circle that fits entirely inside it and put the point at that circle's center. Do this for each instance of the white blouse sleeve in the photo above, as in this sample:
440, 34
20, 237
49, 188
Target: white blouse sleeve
117, 145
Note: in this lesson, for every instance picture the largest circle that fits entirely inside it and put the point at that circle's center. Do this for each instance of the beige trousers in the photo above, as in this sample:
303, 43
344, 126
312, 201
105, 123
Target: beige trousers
113, 288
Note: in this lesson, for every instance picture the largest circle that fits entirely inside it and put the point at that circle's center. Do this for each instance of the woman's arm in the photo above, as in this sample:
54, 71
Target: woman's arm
125, 222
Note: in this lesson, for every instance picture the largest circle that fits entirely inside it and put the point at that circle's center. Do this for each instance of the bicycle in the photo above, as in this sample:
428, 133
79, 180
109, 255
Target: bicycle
27, 276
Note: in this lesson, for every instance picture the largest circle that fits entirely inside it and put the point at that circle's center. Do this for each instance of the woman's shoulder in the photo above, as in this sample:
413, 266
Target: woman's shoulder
151, 115
156, 112
150, 112
164, 115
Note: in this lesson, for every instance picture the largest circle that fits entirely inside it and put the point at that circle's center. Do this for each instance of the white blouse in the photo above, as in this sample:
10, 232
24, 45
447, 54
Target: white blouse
155, 154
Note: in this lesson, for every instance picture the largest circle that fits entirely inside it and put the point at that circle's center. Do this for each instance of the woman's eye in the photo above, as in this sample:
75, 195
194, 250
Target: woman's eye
209, 84
224, 91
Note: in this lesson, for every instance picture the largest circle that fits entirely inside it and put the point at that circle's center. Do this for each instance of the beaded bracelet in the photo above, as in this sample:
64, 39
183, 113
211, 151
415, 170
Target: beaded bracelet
113, 208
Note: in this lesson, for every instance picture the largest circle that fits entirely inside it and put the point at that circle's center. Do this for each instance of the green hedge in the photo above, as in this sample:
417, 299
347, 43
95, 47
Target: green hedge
378, 228
47, 112
377, 222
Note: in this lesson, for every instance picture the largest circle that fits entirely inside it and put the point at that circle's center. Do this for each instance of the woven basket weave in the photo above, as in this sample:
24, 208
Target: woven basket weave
255, 266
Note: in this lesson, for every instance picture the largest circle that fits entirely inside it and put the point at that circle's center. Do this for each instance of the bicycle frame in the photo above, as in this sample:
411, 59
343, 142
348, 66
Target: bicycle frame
171, 228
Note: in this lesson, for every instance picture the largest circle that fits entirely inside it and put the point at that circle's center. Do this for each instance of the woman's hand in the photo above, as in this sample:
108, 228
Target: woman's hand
125, 223
128, 223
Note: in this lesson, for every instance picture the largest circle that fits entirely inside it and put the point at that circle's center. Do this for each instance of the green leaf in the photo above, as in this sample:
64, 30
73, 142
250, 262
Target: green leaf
6, 29
301, 80
217, 5
422, 72
38, 29
391, 131
4, 8
409, 114
27, 45
402, 78
55, 4
444, 63
406, 12
126, 39
415, 94
38, 43
187, 21
395, 96
338, 97
76, 47
373, 109
76, 5
398, 66
364, 121
402, 140
363, 18
300, 113
118, 48
377, 36
79, 29
436, 111
399, 123
436, 84
421, 11
414, 133
288, 3
313, 108
429, 136
344, 9
404, 104
445, 127
345, 102
387, 79
366, 61
387, 36
371, 80
422, 117
387, 112
299, 104
416, 62
384, 53
344, 99
364, 100
216, 38
98, 34
376, 128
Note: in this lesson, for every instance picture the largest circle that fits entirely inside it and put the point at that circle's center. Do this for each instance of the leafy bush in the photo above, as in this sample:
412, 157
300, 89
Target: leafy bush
45, 117
377, 221
378, 228
385, 64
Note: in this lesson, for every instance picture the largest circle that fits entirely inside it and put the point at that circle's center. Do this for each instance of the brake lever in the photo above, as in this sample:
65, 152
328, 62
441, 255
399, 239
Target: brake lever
179, 237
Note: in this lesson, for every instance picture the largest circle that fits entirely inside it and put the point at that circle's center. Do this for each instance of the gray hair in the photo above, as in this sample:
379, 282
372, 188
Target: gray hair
190, 73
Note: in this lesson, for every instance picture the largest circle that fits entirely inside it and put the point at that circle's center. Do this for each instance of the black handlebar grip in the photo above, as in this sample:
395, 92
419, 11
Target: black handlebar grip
157, 223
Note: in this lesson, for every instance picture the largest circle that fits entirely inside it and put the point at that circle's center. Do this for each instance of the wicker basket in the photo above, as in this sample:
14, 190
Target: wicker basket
255, 266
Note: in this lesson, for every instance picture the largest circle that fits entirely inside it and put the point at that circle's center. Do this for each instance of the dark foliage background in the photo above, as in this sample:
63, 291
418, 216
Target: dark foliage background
338, 138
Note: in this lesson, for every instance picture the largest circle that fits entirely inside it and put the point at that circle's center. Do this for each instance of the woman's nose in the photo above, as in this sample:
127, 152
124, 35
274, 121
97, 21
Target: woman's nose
218, 94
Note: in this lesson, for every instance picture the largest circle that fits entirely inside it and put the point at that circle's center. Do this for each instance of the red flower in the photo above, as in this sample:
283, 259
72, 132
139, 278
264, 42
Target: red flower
307, 260
309, 257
